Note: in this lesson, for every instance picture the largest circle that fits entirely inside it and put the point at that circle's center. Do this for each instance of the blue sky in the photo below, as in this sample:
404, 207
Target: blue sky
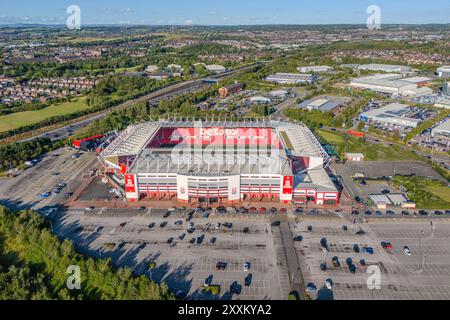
224, 12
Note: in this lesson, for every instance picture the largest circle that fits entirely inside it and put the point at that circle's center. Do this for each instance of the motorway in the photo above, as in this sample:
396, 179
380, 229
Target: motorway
168, 92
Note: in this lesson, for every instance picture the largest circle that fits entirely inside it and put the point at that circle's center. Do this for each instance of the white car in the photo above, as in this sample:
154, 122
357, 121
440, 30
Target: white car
246, 266
407, 251
218, 225
172, 209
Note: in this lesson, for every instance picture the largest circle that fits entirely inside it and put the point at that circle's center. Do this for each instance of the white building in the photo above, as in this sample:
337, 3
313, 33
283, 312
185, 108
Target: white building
291, 78
443, 71
445, 104
442, 130
354, 156
390, 84
385, 68
315, 69
393, 114
151, 69
215, 68
260, 99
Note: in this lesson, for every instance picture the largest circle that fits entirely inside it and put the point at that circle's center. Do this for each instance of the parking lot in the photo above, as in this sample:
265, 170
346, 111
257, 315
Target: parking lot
125, 236
402, 276
56, 167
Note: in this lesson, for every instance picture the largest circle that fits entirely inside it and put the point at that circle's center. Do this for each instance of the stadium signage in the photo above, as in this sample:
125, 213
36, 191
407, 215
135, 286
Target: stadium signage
210, 132
130, 184
288, 182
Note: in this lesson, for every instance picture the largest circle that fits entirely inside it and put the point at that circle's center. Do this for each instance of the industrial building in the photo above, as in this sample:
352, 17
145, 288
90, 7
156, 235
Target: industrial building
442, 130
321, 104
385, 68
292, 78
444, 103
315, 69
231, 89
392, 84
443, 72
214, 68
394, 114
220, 162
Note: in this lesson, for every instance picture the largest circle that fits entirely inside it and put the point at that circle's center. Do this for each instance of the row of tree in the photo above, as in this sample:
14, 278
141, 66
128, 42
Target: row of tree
34, 265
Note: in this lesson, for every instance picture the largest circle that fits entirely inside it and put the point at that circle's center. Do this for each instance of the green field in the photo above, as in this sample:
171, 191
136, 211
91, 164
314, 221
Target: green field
345, 143
426, 193
20, 119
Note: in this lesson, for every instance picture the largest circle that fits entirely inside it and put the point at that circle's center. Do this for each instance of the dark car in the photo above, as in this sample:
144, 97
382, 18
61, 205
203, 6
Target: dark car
142, 208
142, 246
335, 261
152, 225
355, 212
356, 248
192, 241
235, 288
324, 243
208, 281
352, 268
170, 240
385, 191
248, 280
423, 213
167, 214
246, 230
213, 240
438, 213
405, 213
221, 265
358, 199
200, 239
276, 223
310, 228
368, 213
163, 224
298, 238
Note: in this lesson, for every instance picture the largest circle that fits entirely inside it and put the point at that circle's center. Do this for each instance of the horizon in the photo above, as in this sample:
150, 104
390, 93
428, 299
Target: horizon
231, 13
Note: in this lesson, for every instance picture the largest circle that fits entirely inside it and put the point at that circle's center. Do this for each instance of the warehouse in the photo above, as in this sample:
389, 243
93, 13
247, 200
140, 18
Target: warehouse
444, 103
315, 69
391, 84
393, 114
385, 68
292, 78
221, 162
443, 72
320, 104
442, 130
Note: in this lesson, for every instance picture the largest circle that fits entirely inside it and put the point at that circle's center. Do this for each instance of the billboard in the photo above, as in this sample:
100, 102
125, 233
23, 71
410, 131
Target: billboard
130, 183
288, 184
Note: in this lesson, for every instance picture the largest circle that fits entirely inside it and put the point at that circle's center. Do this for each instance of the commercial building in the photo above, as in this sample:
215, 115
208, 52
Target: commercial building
320, 104
292, 78
392, 84
444, 103
260, 100
220, 162
315, 69
443, 72
231, 89
385, 68
442, 130
214, 68
394, 114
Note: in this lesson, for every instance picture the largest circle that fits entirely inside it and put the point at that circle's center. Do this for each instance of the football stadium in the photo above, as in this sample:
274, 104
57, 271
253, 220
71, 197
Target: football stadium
220, 162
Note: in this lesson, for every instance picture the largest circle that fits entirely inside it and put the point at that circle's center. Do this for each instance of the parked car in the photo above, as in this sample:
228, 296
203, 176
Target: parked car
163, 224
335, 261
356, 248
166, 215
276, 223
208, 281
368, 213
221, 265
407, 251
298, 238
311, 287
235, 288
368, 250
170, 240
213, 240
247, 266
248, 280
378, 213
178, 223
246, 230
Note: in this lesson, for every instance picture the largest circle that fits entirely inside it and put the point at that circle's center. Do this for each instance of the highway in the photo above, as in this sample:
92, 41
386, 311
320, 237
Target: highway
168, 92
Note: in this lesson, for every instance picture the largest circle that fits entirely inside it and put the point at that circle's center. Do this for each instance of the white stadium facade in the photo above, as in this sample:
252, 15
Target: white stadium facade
220, 162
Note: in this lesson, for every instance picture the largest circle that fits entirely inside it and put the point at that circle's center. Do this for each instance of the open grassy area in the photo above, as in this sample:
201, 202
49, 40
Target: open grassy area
20, 119
426, 193
345, 143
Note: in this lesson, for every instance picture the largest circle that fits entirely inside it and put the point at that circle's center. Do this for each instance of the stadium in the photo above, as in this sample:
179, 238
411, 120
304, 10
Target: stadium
219, 162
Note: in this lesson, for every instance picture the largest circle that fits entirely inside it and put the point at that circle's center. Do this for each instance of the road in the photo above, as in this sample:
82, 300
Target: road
168, 92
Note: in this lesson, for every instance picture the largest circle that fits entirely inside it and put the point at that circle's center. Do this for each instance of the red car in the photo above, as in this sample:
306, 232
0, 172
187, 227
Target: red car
252, 210
262, 210
282, 210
